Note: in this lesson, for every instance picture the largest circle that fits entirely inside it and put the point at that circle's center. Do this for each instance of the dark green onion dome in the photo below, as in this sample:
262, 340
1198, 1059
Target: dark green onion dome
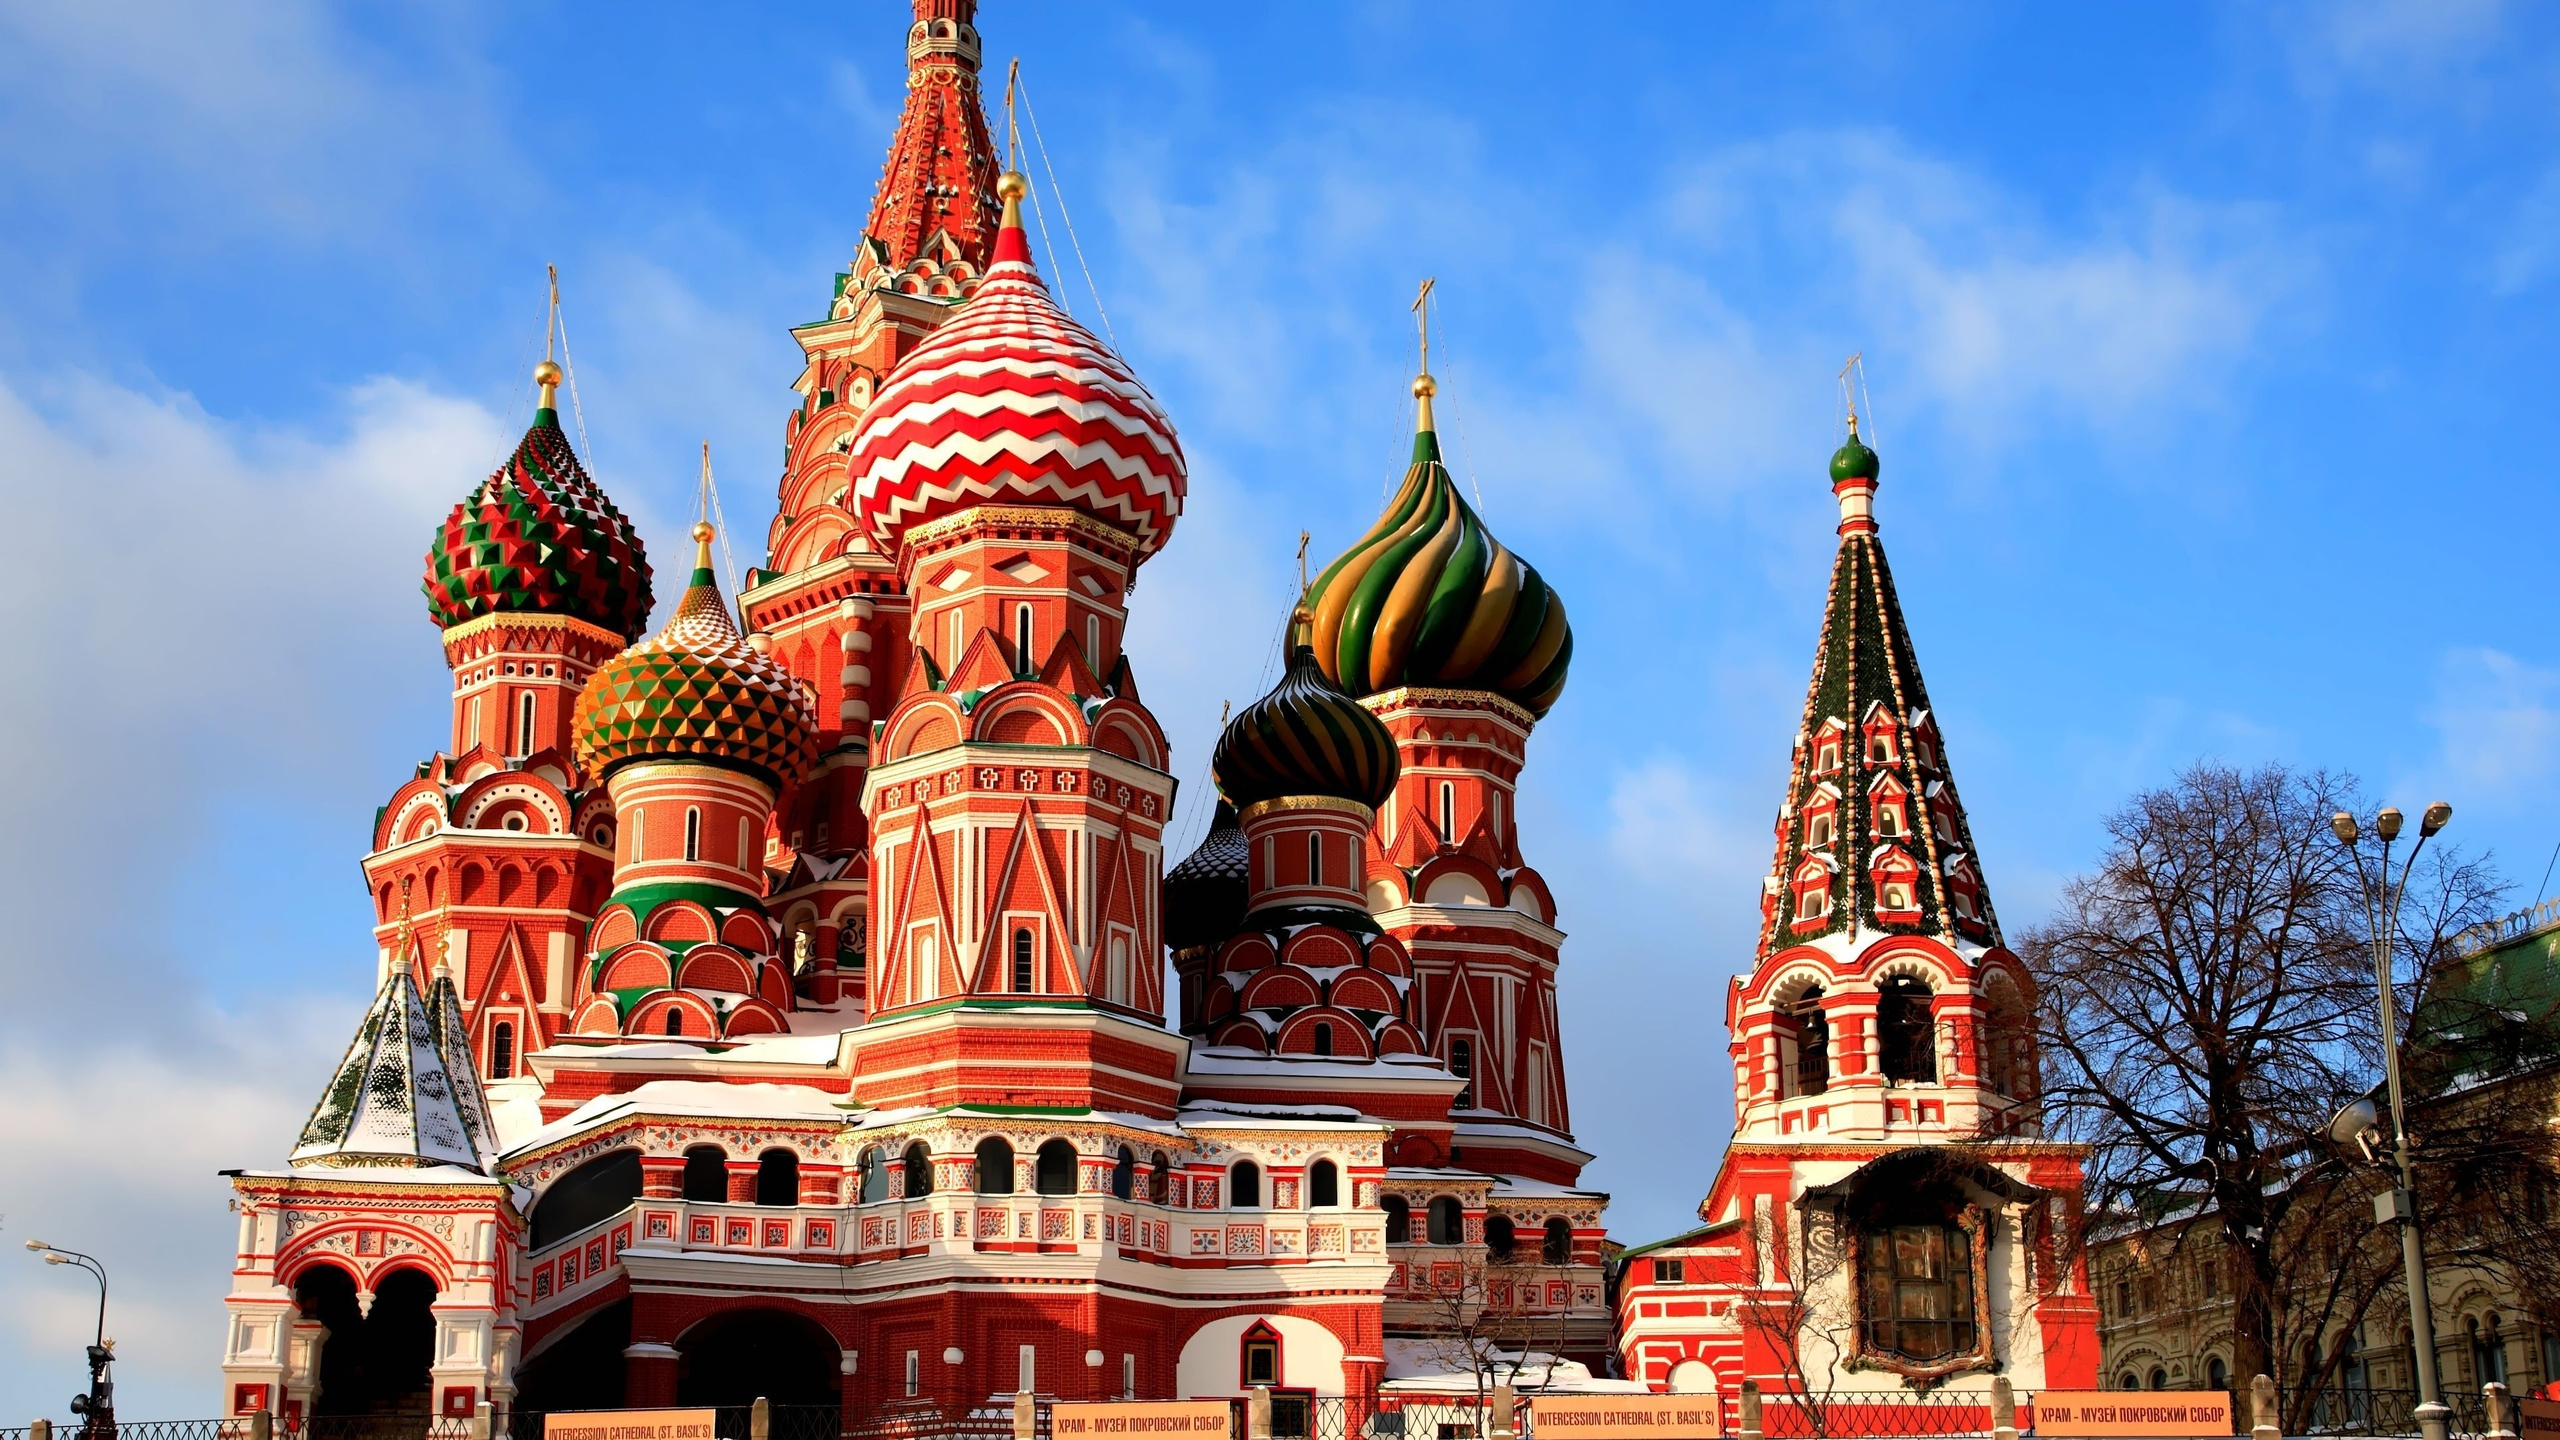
698, 690
1429, 598
539, 537
1204, 896
1305, 738
1854, 461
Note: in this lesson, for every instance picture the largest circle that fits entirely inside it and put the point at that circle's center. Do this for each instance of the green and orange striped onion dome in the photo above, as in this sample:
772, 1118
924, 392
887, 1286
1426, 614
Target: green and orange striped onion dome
698, 690
1305, 738
539, 537
1429, 598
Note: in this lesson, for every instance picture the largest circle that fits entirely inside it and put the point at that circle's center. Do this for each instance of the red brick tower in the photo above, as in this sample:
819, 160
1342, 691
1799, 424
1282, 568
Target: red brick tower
829, 597
1887, 1217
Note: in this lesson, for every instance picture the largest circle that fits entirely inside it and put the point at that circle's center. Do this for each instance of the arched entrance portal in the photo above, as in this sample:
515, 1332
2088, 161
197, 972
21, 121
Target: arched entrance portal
731, 1359
374, 1361
580, 1368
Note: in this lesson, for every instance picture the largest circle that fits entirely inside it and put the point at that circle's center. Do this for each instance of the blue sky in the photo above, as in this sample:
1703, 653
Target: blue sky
2209, 349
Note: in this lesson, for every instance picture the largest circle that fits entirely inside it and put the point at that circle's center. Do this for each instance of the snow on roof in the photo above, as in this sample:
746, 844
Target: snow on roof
1522, 1185
1275, 1117
1442, 1367
376, 1174
1436, 1172
709, 1098
1235, 1060
794, 1049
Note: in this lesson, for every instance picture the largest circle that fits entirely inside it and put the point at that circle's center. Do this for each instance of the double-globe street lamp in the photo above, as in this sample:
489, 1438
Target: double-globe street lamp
97, 1409
2357, 1122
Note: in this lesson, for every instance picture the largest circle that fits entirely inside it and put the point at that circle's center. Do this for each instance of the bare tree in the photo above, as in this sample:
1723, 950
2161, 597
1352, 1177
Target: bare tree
1799, 1305
2208, 1003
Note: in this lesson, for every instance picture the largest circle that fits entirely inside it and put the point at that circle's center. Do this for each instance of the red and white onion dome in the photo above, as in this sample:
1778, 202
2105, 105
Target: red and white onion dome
1012, 402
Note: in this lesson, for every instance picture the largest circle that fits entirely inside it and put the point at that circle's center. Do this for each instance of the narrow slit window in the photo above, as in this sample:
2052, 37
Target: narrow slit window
1022, 962
1315, 859
502, 1050
958, 627
470, 726
1462, 1063
524, 723
1024, 657
1324, 1038
1093, 641
693, 834
746, 847
1448, 812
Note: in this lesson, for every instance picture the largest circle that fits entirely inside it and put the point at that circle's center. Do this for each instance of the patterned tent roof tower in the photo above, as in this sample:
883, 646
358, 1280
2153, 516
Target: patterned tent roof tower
538, 536
1871, 813
1204, 896
453, 1045
1429, 598
1011, 401
1305, 738
698, 689
392, 1102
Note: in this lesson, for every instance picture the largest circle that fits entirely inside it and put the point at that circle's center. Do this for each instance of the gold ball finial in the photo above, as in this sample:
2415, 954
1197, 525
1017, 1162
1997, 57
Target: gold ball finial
702, 532
1011, 185
546, 373
1424, 387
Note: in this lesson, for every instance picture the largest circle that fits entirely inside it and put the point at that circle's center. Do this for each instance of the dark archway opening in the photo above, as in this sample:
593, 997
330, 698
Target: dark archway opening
706, 1174
731, 1359
778, 1178
1907, 1032
1054, 1168
602, 1187
995, 1167
374, 1362
1446, 1221
580, 1369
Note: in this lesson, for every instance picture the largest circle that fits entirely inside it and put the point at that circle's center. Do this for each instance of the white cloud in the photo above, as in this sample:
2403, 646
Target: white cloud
195, 121
2532, 245
2499, 721
113, 1148
2394, 41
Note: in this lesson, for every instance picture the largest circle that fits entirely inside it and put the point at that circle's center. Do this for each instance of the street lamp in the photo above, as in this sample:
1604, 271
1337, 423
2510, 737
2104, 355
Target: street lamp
97, 1409
2382, 914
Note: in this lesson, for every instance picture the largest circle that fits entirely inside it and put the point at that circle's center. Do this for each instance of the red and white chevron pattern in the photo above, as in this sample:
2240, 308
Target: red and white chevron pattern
1011, 401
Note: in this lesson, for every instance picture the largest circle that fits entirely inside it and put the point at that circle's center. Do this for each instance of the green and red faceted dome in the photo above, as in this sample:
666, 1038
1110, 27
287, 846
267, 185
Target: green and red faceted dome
538, 537
1011, 402
698, 690
1428, 598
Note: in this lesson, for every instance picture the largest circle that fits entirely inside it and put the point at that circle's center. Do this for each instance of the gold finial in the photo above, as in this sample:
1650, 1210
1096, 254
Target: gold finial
702, 533
400, 955
1848, 388
1011, 187
1424, 387
547, 376
1303, 537
1012, 127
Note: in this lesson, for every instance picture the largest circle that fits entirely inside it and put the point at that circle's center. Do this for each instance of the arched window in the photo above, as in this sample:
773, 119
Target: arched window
1115, 978
874, 1172
1915, 1269
2159, 1379
524, 723
1324, 1184
706, 1174
777, 1178
1906, 1034
1025, 660
1022, 961
1324, 1038
1399, 1219
1053, 1168
675, 1021
1557, 1248
1244, 1186
1315, 858
1448, 1223
1448, 812
1124, 1174
603, 1186
1159, 1178
1501, 1239
2216, 1374
1812, 1037
2488, 1352
1462, 1063
919, 1168
995, 1167
1260, 1362
2128, 1381
502, 1050
692, 834
1817, 829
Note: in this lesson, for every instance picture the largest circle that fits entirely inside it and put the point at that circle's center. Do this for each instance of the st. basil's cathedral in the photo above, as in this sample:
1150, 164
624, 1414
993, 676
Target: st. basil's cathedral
796, 1001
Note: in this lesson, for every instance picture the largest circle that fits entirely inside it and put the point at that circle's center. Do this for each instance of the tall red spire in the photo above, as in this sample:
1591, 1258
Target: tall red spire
941, 171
